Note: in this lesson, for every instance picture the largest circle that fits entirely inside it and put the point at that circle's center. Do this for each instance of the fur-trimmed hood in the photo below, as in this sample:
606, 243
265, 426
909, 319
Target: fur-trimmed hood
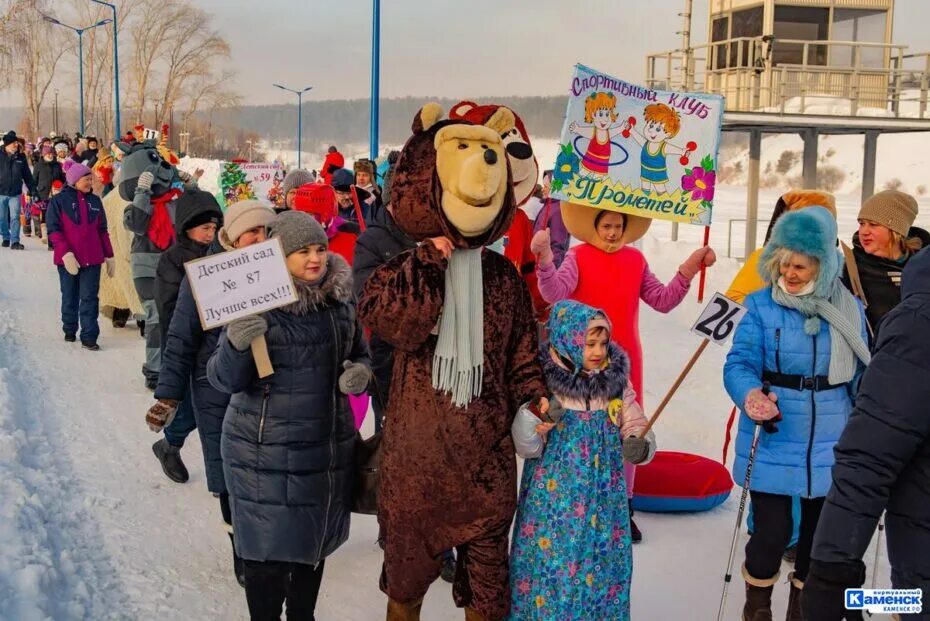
604, 385
335, 287
810, 231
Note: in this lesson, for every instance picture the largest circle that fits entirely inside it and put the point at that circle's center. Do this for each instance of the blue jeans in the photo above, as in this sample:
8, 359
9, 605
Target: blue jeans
795, 520
184, 422
79, 302
9, 218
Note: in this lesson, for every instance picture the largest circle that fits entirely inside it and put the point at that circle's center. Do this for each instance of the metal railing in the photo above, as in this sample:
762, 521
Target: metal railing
753, 74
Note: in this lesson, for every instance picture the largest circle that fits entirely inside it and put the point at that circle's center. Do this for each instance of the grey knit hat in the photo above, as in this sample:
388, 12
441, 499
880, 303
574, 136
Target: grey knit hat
892, 209
295, 179
296, 230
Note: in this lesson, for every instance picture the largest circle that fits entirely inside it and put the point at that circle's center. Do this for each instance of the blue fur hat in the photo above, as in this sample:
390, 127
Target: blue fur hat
810, 231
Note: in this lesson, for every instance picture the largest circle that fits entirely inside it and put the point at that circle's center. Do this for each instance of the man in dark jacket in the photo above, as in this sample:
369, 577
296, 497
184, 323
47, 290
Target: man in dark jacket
47, 170
381, 242
197, 216
882, 464
14, 173
186, 352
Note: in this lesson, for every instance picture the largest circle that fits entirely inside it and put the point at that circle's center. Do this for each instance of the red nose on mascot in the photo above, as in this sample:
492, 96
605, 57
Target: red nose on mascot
464, 333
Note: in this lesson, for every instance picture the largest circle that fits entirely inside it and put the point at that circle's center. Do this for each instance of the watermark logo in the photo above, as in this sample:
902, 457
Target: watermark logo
885, 601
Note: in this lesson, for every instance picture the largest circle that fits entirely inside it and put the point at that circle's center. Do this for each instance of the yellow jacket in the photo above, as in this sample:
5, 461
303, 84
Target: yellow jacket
747, 280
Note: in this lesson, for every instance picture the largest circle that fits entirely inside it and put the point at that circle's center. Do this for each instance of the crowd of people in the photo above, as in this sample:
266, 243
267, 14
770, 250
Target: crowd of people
513, 331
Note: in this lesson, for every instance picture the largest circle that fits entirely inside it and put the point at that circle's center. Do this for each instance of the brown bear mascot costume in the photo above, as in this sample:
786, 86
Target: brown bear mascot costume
462, 323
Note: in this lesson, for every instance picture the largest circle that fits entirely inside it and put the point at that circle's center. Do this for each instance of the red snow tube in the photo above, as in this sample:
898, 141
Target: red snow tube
680, 482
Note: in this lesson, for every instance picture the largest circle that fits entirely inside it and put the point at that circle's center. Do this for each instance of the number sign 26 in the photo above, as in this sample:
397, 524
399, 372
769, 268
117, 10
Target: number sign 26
719, 318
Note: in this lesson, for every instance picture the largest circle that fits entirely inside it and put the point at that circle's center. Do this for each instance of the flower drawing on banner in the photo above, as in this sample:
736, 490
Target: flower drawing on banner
567, 166
700, 181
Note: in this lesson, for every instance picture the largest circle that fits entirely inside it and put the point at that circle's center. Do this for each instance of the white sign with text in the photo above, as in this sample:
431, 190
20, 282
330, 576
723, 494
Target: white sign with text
239, 283
719, 319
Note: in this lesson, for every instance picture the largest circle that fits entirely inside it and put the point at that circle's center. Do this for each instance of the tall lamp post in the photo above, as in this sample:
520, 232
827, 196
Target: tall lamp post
300, 95
118, 130
80, 33
375, 78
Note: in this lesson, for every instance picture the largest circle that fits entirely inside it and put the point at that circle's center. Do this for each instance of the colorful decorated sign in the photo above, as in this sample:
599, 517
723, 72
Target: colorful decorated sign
261, 180
640, 151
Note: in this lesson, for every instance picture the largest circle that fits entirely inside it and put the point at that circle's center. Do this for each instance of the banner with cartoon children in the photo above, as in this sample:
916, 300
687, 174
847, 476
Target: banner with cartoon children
636, 150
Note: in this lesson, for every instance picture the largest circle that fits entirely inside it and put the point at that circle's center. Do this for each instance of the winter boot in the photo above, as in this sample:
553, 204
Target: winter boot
794, 599
238, 565
397, 611
448, 566
636, 536
473, 615
170, 458
758, 605
120, 317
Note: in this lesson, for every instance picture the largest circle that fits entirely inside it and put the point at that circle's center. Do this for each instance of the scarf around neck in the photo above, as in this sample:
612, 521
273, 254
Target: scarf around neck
458, 362
841, 313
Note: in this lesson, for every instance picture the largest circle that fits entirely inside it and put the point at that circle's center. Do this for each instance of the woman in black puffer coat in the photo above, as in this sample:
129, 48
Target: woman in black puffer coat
883, 245
288, 439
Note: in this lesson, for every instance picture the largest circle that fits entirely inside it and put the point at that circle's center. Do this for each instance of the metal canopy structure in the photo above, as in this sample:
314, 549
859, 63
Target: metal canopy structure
806, 67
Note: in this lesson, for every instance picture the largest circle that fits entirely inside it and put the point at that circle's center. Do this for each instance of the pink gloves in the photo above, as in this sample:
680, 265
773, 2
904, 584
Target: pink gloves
692, 264
759, 406
541, 246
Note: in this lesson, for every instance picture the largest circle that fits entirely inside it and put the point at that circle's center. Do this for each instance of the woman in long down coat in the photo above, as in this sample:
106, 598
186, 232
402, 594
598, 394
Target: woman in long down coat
288, 439
805, 336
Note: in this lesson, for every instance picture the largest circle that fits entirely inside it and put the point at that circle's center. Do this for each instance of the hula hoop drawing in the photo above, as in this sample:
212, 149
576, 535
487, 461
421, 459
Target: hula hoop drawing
587, 160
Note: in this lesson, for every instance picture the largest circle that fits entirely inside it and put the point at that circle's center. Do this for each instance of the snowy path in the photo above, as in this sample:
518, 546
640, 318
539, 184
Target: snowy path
91, 529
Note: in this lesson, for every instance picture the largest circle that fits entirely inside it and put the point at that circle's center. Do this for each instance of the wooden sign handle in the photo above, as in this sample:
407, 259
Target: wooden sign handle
262, 360
676, 385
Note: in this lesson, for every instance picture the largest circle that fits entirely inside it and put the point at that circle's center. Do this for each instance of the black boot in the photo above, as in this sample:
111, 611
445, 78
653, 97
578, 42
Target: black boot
758, 605
636, 536
170, 458
794, 600
120, 317
238, 565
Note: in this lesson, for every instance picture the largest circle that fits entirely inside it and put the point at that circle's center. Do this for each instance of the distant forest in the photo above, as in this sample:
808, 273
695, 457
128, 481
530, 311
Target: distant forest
344, 121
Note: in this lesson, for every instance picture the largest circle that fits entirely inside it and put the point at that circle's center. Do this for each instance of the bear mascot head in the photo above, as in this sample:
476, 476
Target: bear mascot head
523, 165
453, 179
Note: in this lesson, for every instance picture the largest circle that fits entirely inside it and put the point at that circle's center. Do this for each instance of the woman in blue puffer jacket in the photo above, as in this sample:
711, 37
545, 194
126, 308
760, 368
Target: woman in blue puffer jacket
805, 337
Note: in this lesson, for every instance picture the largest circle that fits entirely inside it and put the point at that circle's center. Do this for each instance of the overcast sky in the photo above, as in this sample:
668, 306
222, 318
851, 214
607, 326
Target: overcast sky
458, 48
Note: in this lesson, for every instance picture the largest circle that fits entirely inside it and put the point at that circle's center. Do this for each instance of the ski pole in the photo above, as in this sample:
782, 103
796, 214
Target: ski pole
766, 388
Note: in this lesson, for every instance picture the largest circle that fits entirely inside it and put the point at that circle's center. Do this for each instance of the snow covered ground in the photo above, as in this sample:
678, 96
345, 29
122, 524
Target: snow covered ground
91, 529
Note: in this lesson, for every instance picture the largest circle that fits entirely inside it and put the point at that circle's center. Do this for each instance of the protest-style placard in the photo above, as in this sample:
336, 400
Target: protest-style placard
638, 150
239, 283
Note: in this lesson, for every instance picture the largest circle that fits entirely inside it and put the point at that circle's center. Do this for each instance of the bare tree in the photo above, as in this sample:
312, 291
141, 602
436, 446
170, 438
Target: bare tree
31, 53
192, 48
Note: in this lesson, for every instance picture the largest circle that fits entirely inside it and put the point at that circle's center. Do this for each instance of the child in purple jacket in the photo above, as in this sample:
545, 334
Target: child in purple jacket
77, 229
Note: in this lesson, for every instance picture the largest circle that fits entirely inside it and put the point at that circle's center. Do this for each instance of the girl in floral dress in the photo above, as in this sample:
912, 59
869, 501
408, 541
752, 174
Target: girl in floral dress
571, 557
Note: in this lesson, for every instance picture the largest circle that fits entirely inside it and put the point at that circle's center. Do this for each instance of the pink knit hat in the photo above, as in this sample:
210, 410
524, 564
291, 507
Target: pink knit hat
74, 171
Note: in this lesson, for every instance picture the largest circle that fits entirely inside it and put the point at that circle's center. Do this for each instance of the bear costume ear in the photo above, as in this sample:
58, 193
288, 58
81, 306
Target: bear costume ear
501, 121
428, 116
461, 109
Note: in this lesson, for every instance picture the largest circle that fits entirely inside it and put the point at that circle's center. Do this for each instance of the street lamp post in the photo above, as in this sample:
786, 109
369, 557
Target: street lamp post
374, 111
80, 33
118, 129
300, 95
